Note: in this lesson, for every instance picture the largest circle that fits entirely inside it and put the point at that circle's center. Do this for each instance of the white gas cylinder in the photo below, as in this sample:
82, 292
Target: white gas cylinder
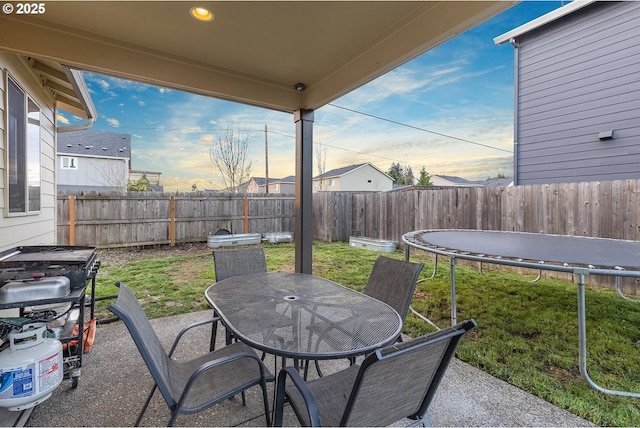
30, 369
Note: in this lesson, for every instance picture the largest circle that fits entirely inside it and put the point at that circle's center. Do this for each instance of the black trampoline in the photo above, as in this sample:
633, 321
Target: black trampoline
598, 253
573, 254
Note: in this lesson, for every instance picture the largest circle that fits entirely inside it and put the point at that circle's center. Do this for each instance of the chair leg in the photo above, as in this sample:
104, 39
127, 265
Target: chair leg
280, 400
306, 370
174, 416
265, 399
214, 333
146, 404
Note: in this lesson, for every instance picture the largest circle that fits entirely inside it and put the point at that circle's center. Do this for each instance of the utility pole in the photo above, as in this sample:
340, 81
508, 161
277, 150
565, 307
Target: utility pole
266, 161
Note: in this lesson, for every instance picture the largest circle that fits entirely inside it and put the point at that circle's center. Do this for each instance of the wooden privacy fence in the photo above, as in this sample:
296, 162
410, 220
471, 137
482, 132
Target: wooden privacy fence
597, 209
117, 219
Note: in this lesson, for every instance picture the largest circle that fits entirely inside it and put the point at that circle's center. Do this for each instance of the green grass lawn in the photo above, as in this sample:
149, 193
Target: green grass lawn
527, 332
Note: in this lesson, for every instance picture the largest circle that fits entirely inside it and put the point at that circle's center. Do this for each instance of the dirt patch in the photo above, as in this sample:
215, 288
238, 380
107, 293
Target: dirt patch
121, 257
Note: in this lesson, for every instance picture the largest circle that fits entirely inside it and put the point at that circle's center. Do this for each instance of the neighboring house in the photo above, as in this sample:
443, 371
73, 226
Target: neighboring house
30, 92
276, 185
577, 94
452, 181
496, 182
93, 161
361, 177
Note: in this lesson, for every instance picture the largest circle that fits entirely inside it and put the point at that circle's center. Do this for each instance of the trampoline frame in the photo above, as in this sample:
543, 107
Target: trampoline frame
411, 241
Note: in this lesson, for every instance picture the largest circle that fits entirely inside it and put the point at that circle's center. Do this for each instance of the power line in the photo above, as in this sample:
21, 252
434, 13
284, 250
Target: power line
336, 147
419, 129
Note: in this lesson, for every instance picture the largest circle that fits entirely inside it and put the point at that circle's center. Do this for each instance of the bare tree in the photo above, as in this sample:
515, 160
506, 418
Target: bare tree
114, 173
230, 156
321, 158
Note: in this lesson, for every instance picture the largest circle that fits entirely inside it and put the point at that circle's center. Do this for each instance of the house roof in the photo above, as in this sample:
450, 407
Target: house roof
252, 52
260, 181
453, 180
337, 172
496, 182
542, 20
94, 143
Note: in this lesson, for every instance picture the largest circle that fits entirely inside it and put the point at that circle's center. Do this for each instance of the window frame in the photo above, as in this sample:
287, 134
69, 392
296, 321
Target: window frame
23, 173
72, 166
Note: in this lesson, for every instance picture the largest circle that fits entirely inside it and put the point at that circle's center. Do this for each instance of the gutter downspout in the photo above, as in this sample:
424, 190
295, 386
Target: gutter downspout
80, 87
516, 87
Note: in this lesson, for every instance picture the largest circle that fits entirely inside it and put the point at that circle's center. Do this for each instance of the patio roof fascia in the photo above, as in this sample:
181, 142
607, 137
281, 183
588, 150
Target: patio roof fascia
430, 24
97, 55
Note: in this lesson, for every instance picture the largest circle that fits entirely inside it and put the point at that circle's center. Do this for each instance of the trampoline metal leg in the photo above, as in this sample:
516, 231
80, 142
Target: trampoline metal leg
537, 278
582, 342
435, 267
435, 263
619, 291
452, 279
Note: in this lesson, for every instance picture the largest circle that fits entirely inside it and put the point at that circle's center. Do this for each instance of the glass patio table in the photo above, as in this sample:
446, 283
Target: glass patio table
301, 316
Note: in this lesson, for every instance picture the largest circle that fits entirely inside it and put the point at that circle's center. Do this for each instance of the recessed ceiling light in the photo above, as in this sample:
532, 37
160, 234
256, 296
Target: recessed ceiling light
201, 14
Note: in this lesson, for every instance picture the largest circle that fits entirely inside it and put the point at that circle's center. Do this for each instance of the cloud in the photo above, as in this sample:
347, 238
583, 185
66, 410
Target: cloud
207, 139
113, 122
61, 119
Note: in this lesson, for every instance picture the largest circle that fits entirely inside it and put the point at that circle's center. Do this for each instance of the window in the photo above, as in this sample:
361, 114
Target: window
71, 163
23, 151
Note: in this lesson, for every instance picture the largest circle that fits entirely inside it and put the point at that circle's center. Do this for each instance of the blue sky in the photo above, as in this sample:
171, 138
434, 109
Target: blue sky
462, 89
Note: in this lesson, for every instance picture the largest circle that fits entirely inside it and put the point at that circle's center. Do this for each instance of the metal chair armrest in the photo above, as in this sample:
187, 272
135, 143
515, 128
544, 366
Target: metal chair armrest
215, 363
303, 388
189, 327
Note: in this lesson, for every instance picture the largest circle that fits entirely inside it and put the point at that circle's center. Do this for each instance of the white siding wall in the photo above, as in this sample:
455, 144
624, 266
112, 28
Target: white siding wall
365, 179
37, 229
93, 171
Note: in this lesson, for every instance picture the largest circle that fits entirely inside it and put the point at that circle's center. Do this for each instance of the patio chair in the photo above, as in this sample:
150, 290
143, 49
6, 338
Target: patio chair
393, 281
393, 383
190, 386
228, 263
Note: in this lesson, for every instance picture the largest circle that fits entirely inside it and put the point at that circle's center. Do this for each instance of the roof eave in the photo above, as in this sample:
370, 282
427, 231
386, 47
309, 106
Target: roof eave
542, 20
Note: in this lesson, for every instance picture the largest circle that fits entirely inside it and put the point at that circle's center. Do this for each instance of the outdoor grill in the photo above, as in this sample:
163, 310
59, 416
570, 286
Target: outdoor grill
79, 264
49, 284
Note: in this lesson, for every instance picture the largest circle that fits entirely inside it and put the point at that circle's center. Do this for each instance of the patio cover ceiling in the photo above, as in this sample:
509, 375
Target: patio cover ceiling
252, 52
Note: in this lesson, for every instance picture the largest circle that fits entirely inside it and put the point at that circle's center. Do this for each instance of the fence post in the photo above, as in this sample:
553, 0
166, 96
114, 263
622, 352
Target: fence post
172, 221
72, 220
246, 214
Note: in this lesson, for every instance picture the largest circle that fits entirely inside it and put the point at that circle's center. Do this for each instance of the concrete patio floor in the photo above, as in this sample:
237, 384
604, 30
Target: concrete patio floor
115, 382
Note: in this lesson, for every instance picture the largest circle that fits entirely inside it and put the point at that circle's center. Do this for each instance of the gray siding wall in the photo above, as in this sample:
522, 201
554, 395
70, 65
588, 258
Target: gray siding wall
575, 78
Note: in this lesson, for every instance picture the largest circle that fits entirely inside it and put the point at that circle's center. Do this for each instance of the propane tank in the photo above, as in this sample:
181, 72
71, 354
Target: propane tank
30, 369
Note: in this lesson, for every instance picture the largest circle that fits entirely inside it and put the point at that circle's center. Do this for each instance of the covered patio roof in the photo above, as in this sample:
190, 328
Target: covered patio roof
292, 56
